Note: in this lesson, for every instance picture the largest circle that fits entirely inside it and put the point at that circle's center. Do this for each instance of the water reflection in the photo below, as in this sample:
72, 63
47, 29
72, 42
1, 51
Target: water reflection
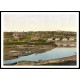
51, 54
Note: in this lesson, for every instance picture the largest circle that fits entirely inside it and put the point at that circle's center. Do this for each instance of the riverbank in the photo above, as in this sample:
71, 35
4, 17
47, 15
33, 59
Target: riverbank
28, 50
70, 60
25, 50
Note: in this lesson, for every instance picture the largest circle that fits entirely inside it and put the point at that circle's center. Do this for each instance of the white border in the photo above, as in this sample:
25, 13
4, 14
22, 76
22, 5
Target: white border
2, 27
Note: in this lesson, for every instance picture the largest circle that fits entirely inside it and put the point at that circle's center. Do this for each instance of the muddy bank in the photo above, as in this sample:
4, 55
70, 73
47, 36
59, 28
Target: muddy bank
25, 51
70, 60
59, 60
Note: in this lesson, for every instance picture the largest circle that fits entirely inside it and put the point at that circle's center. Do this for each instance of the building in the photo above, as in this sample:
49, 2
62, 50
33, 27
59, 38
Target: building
71, 39
58, 44
57, 39
18, 35
72, 45
50, 39
64, 39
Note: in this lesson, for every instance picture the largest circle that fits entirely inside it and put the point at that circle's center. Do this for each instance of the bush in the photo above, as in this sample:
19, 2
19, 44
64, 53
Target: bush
13, 43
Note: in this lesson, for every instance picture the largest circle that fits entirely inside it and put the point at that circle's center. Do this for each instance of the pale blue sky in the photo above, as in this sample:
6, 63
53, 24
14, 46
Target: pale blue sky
43, 21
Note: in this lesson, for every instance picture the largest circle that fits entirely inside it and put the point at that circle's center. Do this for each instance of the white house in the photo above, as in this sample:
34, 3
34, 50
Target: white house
57, 39
71, 39
50, 39
58, 44
72, 45
64, 39
16, 37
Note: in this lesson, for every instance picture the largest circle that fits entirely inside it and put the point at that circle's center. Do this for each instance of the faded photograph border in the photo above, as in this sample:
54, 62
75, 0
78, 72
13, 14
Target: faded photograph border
38, 67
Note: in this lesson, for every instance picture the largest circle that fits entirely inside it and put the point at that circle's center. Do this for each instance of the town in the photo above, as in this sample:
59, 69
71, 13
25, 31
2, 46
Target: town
17, 44
59, 38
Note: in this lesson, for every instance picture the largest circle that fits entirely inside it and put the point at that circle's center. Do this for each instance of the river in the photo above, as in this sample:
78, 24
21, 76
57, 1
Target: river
51, 54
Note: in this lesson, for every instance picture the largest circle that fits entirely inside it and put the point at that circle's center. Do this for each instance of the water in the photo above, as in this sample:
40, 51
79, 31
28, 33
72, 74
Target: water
52, 54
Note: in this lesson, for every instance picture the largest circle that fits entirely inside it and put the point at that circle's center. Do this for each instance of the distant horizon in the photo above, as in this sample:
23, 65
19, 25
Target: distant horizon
40, 31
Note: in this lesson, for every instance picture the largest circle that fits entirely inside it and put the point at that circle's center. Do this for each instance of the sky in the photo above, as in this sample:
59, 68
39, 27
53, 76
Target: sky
39, 21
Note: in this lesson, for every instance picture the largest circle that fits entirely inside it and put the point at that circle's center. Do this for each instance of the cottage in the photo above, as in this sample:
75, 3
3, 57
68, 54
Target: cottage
58, 44
64, 39
57, 39
49, 39
15, 34
72, 45
18, 35
71, 39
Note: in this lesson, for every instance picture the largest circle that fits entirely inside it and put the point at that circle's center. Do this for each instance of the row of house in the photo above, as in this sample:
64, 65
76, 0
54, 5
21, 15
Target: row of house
72, 44
19, 35
55, 39
63, 39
